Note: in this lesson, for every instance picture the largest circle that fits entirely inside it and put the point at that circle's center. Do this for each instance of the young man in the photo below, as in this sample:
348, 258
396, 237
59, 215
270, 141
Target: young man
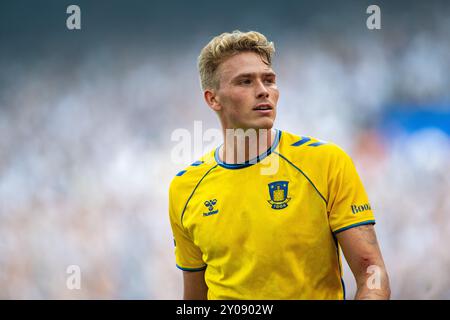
264, 219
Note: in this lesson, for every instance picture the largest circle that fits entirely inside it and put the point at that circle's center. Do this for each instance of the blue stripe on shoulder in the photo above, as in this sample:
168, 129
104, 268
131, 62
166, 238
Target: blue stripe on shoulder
195, 164
303, 140
179, 174
316, 144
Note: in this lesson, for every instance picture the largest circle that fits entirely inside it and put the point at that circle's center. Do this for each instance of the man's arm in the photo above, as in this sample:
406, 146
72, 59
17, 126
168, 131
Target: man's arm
361, 250
194, 285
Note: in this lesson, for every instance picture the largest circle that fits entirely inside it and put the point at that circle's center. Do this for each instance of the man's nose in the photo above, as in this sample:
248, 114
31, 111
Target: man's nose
261, 90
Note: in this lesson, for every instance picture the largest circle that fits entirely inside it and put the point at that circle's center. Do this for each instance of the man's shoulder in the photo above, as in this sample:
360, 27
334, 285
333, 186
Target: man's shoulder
319, 160
306, 148
186, 179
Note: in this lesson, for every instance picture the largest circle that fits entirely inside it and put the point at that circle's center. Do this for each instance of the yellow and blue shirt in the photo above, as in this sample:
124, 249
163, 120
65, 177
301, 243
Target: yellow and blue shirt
266, 229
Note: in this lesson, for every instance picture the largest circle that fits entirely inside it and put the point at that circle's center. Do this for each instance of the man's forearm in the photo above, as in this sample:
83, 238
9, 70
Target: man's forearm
373, 286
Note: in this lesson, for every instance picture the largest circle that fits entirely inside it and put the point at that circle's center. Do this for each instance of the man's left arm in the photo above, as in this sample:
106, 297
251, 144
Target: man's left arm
361, 250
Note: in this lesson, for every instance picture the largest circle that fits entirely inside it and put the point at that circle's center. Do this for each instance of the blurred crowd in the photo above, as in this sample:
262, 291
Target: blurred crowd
85, 157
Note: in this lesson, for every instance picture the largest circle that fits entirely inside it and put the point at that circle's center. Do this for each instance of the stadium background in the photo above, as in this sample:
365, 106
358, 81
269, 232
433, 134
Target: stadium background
86, 119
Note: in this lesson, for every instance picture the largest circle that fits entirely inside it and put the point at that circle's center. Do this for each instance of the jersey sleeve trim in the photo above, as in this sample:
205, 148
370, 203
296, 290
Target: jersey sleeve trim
354, 225
192, 269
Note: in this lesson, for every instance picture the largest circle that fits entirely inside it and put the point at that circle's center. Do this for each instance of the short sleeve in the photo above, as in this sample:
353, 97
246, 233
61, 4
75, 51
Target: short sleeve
348, 204
187, 255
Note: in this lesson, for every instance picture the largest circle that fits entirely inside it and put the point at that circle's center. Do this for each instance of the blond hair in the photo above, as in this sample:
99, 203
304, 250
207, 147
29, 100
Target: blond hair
226, 45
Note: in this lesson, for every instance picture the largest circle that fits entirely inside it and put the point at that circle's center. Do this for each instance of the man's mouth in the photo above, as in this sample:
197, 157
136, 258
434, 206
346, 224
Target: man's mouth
263, 106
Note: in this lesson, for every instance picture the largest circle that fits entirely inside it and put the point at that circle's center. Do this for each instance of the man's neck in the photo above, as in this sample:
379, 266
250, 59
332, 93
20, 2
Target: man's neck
243, 145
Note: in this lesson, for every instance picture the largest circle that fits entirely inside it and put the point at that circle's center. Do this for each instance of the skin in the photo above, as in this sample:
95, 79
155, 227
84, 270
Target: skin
194, 285
361, 250
245, 81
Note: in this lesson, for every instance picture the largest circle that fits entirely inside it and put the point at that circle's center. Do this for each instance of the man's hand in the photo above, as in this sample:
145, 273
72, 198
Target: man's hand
361, 250
194, 285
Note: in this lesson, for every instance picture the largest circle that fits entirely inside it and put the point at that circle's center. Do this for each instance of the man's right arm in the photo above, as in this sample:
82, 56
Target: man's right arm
194, 285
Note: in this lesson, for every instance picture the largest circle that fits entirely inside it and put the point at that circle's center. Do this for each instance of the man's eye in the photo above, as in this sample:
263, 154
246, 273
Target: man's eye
245, 81
269, 80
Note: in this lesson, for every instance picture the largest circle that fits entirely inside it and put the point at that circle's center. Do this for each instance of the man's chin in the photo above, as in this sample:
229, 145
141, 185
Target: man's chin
266, 124
263, 124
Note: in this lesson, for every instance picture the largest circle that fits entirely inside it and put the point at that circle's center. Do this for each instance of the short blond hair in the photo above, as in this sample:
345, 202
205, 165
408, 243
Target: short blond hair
226, 45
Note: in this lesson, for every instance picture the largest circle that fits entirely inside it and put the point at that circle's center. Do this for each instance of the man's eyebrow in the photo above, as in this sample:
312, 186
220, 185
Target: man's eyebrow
252, 74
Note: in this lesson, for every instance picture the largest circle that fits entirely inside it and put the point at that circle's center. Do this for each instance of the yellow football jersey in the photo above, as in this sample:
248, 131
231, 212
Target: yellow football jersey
266, 229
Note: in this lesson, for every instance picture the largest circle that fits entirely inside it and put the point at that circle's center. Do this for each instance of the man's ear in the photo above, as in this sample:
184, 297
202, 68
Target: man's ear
212, 99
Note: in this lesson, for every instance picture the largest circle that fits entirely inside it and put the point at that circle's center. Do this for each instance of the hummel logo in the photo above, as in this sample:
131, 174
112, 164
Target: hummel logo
210, 205
361, 208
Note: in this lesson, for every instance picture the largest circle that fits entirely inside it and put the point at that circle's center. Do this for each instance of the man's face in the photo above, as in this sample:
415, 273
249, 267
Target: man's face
247, 94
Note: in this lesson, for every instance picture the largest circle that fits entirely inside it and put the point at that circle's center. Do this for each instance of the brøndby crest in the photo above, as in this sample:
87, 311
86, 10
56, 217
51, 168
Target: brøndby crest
278, 191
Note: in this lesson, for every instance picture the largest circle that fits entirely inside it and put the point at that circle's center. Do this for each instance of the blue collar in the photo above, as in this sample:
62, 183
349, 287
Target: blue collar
251, 161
